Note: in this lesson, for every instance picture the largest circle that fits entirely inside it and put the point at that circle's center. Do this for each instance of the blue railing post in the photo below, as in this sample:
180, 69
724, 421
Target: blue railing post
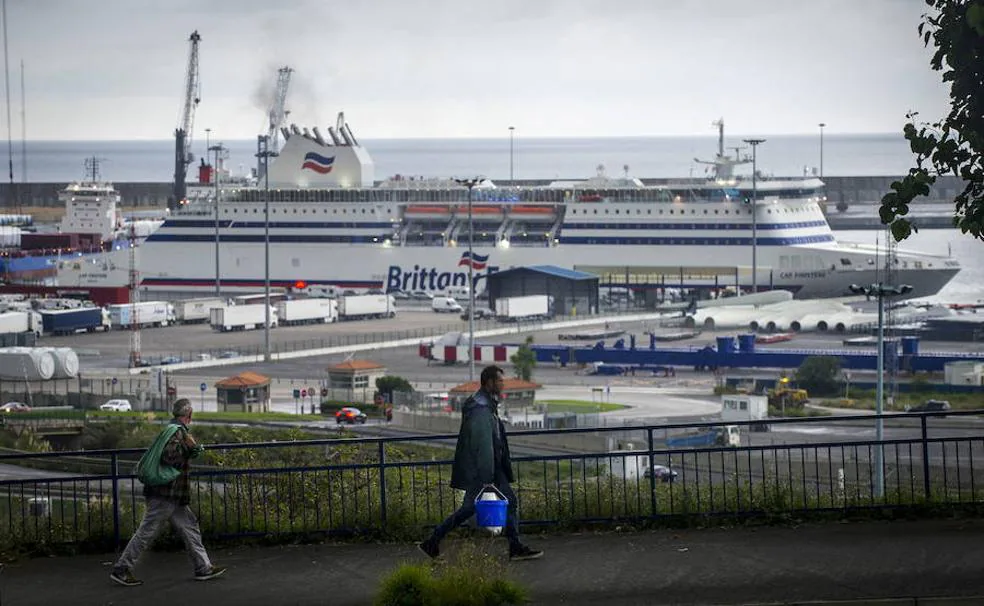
382, 483
652, 476
925, 456
115, 470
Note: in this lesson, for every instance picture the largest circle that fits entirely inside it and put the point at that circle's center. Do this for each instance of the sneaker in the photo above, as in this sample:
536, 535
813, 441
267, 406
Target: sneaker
430, 548
524, 552
211, 573
125, 578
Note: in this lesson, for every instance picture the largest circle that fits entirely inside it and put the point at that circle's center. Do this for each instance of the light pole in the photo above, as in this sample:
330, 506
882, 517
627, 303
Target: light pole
512, 130
881, 291
208, 132
264, 154
754, 143
219, 148
822, 124
470, 184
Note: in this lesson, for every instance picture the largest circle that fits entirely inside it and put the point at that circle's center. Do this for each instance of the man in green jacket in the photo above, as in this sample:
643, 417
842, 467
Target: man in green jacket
481, 458
170, 502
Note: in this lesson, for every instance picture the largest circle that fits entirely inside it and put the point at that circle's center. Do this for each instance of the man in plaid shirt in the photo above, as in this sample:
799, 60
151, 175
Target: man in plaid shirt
170, 501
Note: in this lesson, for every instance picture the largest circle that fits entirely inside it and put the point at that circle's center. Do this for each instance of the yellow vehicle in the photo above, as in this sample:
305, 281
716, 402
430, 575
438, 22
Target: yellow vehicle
783, 395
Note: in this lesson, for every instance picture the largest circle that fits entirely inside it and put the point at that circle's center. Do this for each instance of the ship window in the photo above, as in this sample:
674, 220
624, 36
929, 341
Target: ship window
606, 211
649, 212
616, 211
334, 211
661, 211
845, 261
716, 211
304, 212
671, 212
596, 211
295, 211
295, 262
705, 211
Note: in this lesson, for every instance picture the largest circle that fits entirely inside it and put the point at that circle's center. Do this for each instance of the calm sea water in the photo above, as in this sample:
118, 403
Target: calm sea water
787, 155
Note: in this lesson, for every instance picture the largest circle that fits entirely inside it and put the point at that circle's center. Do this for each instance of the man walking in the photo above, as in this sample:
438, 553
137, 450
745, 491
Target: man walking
170, 502
481, 458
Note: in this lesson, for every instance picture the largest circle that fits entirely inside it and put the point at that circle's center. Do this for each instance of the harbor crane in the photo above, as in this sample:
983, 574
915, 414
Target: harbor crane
182, 135
277, 114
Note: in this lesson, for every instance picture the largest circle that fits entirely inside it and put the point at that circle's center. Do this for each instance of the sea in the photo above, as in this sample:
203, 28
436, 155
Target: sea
548, 158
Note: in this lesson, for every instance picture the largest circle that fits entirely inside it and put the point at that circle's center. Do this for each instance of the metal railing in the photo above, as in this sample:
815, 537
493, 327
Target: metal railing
571, 476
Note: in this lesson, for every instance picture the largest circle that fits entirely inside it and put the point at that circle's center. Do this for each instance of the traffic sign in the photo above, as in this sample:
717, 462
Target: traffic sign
311, 391
303, 393
203, 387
324, 392
172, 391
115, 381
297, 393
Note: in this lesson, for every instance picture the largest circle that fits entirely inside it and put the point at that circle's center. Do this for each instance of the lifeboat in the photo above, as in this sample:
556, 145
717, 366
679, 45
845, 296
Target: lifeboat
421, 211
533, 211
589, 198
480, 210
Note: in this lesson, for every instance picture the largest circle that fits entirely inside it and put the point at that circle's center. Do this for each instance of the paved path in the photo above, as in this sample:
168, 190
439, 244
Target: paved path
836, 561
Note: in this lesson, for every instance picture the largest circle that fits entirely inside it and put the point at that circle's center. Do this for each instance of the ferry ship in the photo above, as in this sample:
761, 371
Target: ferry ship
332, 225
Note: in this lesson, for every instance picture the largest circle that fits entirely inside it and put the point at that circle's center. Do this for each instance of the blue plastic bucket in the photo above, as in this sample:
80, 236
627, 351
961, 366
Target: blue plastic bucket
490, 510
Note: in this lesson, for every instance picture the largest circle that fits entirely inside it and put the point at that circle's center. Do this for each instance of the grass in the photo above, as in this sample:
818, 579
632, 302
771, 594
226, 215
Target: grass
581, 406
865, 400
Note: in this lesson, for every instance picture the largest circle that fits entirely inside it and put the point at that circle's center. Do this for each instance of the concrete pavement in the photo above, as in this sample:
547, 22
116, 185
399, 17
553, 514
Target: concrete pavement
835, 561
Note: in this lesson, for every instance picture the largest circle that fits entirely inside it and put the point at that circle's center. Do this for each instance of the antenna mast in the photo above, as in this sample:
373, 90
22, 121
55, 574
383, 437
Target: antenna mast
23, 128
135, 360
10, 143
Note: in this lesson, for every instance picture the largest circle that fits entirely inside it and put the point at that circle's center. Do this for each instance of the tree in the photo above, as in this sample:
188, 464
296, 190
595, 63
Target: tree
953, 145
524, 360
389, 384
819, 375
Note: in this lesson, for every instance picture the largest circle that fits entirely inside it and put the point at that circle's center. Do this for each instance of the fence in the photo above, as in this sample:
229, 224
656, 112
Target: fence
399, 485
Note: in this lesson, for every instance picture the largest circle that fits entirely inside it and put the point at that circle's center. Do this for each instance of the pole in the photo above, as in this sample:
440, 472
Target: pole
10, 142
512, 129
754, 143
879, 393
266, 245
23, 128
822, 124
471, 288
218, 148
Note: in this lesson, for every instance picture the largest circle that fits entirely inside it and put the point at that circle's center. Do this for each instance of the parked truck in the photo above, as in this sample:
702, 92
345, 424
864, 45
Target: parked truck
512, 309
195, 311
20, 321
241, 317
307, 311
71, 321
148, 313
716, 436
356, 307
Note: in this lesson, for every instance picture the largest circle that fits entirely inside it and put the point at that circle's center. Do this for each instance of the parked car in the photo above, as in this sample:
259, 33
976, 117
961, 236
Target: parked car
350, 415
170, 360
481, 313
117, 406
930, 406
15, 407
662, 473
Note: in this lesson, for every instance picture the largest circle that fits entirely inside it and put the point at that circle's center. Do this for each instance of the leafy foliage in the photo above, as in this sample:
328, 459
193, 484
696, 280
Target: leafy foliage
524, 360
391, 383
953, 145
819, 375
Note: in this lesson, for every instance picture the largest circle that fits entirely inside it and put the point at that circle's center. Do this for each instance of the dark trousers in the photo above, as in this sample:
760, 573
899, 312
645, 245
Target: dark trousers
467, 510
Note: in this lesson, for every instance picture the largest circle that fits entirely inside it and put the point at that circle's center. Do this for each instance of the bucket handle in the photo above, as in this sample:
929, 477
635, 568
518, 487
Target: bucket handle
493, 487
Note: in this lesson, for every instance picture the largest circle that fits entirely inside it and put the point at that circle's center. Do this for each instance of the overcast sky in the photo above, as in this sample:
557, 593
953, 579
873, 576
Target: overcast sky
115, 69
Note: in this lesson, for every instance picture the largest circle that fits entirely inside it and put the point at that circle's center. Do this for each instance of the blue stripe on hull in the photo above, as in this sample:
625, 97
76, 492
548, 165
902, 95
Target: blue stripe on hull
596, 240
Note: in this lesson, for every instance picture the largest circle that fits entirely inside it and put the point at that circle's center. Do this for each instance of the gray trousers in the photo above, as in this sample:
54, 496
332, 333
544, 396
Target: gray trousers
185, 524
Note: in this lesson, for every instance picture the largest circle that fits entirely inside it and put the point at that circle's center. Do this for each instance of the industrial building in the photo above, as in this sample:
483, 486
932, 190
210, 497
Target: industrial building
572, 292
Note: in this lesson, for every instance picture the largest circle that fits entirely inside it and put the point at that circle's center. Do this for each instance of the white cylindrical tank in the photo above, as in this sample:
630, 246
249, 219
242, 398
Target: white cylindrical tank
66, 362
27, 363
10, 237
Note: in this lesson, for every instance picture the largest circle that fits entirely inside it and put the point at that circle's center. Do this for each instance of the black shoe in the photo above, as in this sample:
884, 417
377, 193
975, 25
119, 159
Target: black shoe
430, 548
125, 578
524, 552
211, 573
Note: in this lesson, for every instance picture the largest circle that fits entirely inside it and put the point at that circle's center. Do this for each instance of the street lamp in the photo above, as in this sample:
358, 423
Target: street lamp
881, 291
470, 184
512, 130
822, 124
264, 154
754, 143
219, 148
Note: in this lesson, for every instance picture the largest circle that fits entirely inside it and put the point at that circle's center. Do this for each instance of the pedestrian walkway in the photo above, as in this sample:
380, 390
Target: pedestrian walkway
835, 561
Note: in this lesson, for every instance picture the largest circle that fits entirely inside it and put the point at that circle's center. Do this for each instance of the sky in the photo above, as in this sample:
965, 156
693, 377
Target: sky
115, 69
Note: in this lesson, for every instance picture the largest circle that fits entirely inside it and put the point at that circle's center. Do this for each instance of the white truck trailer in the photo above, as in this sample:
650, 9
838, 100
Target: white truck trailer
148, 313
522, 308
307, 311
21, 321
355, 307
194, 311
241, 317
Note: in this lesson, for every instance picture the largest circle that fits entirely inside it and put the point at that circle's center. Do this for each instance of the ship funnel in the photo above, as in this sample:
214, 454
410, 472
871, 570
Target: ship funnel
307, 133
348, 129
285, 132
334, 135
294, 129
317, 135
340, 121
346, 136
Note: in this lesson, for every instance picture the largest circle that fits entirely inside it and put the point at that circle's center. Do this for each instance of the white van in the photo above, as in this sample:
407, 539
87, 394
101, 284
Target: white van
445, 305
458, 292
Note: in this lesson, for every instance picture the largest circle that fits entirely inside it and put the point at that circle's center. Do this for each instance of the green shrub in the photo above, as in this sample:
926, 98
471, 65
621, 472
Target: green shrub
469, 578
